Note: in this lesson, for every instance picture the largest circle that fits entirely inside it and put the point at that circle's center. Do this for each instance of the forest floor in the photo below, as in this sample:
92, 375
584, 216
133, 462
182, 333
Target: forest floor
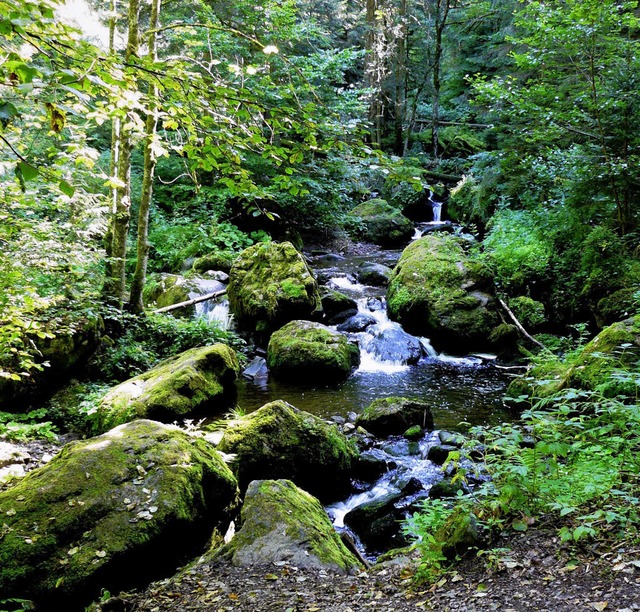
527, 571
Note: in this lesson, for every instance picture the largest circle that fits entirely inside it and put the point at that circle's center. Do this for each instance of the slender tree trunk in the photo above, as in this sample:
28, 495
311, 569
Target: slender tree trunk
115, 152
140, 275
372, 70
401, 76
115, 288
441, 14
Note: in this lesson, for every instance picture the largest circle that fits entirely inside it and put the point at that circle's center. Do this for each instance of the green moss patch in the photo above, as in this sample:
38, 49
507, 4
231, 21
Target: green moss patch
306, 351
110, 512
395, 415
177, 387
382, 224
434, 292
270, 284
280, 441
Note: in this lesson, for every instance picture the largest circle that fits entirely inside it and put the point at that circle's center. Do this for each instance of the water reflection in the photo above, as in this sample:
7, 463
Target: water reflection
457, 392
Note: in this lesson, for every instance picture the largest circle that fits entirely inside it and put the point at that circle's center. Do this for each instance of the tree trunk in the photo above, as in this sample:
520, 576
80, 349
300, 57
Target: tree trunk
372, 70
115, 152
441, 14
401, 76
140, 275
115, 286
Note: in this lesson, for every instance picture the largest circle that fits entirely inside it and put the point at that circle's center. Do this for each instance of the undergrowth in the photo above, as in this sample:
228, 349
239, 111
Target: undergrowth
573, 455
147, 341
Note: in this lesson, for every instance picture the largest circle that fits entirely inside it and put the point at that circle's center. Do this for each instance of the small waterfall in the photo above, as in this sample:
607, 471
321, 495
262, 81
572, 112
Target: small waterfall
436, 207
405, 467
215, 312
384, 345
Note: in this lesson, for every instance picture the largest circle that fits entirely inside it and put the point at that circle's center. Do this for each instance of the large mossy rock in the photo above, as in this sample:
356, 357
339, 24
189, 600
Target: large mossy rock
280, 441
435, 292
191, 382
282, 523
383, 224
616, 347
387, 416
311, 352
111, 512
269, 285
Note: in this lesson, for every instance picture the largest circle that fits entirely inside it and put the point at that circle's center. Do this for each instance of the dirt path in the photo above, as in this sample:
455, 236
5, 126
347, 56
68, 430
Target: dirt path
532, 571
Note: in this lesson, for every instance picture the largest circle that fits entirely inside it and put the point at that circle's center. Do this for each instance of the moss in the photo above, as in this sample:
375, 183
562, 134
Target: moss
177, 387
616, 306
529, 312
459, 533
269, 285
615, 347
222, 260
158, 284
394, 415
334, 302
430, 293
280, 441
383, 224
302, 350
90, 517
281, 522
413, 433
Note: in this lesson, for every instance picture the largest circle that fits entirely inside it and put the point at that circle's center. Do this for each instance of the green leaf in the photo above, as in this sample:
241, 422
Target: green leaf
28, 171
67, 188
7, 112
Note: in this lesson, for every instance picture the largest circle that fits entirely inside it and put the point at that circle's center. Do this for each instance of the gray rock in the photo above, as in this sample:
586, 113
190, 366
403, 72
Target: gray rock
282, 523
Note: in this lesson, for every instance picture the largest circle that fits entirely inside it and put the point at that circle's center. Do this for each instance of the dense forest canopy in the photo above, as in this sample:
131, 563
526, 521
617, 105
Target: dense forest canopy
192, 128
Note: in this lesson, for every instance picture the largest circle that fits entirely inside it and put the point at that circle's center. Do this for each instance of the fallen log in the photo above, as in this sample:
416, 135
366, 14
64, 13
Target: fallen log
200, 298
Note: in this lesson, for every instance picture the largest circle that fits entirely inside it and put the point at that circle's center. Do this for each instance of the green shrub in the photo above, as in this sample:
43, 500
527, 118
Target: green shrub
517, 250
149, 340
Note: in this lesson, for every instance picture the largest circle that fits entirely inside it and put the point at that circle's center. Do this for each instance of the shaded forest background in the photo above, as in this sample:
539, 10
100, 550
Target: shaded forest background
197, 129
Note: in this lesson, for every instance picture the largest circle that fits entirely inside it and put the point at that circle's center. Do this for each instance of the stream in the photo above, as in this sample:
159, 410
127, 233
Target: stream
461, 391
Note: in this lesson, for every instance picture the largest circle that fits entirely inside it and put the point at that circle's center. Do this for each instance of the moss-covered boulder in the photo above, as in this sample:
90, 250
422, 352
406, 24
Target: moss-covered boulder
382, 224
436, 291
617, 305
111, 512
616, 347
282, 523
269, 285
280, 441
63, 351
311, 352
198, 379
387, 416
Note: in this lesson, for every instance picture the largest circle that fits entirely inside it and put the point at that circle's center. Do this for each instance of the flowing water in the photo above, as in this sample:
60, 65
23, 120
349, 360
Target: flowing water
460, 390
